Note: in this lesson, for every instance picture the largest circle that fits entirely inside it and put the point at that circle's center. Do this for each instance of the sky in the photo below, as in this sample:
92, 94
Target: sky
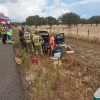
19, 10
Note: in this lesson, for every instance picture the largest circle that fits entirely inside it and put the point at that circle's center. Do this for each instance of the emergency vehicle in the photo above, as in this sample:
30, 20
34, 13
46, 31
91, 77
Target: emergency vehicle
4, 19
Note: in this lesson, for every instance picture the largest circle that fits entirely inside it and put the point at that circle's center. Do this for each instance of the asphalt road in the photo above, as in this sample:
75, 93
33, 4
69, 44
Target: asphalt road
11, 87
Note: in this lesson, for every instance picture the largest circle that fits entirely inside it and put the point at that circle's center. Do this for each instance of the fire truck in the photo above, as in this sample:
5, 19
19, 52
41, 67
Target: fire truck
4, 19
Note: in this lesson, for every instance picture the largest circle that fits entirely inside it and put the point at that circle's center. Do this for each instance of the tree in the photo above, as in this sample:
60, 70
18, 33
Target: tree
83, 21
16, 24
43, 21
94, 20
33, 20
23, 23
51, 21
70, 18
59, 20
29, 20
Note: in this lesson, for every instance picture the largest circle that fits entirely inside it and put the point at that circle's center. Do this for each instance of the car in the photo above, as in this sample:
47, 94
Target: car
59, 38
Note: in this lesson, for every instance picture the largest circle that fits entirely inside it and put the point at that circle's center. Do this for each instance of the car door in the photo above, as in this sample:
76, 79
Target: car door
60, 39
44, 35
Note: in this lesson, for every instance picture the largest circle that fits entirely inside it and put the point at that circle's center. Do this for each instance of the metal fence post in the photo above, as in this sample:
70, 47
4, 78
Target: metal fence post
77, 30
88, 32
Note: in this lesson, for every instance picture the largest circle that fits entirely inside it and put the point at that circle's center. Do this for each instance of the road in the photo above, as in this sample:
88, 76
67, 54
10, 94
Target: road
11, 87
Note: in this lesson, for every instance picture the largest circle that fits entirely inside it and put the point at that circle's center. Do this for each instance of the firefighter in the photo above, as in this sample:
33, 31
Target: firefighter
0, 31
37, 43
51, 43
9, 35
32, 34
28, 41
3, 33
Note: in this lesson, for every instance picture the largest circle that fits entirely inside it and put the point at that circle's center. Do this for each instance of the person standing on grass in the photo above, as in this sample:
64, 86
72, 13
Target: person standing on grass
0, 31
9, 35
28, 41
51, 43
21, 36
37, 44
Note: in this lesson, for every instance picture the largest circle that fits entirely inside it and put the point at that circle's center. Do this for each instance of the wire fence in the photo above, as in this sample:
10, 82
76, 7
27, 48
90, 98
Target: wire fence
86, 30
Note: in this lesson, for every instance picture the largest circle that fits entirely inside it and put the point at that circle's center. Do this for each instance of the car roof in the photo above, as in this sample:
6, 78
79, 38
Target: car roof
43, 32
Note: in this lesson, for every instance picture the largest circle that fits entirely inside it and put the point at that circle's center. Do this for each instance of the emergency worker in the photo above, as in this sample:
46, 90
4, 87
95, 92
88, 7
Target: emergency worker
9, 35
0, 31
3, 33
51, 43
27, 30
28, 41
21, 36
32, 34
37, 43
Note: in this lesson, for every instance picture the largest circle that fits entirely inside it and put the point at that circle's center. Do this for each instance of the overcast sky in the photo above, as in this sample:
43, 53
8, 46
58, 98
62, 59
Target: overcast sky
19, 10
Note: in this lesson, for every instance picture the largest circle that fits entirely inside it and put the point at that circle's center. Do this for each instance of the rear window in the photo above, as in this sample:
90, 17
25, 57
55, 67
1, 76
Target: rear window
43, 33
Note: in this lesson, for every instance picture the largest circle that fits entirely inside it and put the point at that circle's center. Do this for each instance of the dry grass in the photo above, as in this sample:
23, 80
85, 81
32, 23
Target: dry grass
78, 75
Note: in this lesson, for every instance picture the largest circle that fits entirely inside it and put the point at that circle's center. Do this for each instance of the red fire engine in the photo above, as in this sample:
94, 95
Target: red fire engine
4, 19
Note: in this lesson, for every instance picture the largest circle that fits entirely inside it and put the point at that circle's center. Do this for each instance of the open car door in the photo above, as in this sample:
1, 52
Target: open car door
44, 35
60, 39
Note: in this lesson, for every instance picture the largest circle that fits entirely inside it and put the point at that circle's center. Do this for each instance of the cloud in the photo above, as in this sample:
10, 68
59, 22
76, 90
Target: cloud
55, 11
5, 11
84, 2
24, 8
85, 7
3, 1
14, 1
84, 15
56, 2
21, 9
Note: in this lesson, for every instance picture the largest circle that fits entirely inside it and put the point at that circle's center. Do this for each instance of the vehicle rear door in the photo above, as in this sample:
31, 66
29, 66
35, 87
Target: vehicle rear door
44, 35
60, 39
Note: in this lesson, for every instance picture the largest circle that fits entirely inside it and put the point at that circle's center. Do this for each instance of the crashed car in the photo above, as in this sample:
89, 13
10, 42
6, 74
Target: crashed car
59, 38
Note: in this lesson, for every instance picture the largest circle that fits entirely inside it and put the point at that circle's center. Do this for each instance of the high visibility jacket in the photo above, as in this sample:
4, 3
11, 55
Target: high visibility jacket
52, 40
3, 30
32, 35
36, 40
52, 43
9, 31
27, 37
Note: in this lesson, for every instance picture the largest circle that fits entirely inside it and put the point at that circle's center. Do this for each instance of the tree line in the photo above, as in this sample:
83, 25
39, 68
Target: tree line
68, 19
